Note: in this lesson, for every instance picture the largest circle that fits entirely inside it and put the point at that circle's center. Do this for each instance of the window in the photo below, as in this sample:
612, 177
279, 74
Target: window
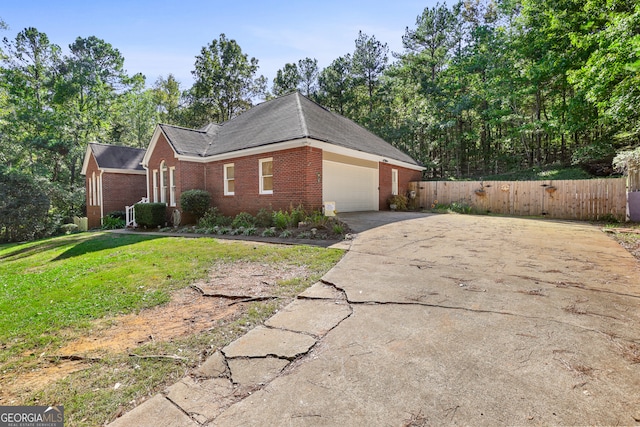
172, 186
155, 185
394, 182
229, 179
266, 176
163, 182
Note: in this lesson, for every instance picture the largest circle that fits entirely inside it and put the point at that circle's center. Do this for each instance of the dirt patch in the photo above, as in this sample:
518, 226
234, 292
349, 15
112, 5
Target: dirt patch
190, 311
187, 313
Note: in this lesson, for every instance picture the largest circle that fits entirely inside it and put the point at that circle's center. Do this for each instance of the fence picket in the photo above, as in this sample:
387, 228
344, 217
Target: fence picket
572, 199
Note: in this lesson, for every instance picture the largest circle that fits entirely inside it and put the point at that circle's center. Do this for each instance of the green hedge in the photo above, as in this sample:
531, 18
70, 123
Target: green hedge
195, 202
151, 214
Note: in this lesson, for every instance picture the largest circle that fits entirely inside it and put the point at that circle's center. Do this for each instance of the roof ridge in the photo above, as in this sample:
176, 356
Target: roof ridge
303, 121
185, 128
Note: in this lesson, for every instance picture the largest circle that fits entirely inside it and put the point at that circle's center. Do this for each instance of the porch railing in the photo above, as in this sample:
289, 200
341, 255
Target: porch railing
131, 213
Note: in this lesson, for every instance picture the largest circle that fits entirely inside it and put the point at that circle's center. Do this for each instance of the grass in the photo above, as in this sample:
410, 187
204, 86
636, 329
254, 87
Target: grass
51, 290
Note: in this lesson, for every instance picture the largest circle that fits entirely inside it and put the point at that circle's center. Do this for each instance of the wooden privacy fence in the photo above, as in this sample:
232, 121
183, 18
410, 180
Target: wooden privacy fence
571, 199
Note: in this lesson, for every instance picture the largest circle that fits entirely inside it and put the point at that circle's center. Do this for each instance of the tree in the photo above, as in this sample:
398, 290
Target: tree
336, 83
167, 98
308, 69
287, 80
225, 81
368, 63
610, 77
24, 207
92, 82
30, 131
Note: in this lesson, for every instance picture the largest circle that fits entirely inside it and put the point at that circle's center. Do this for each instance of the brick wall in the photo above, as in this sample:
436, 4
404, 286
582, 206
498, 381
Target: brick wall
188, 175
120, 190
297, 180
405, 176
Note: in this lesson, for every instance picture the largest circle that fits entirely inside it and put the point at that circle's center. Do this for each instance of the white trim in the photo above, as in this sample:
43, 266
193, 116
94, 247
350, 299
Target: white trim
163, 184
226, 179
85, 163
260, 176
100, 197
155, 185
90, 188
125, 171
394, 182
172, 186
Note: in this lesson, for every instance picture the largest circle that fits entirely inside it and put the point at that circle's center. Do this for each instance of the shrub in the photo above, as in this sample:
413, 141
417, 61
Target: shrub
243, 219
195, 202
150, 214
286, 234
69, 228
297, 215
24, 207
317, 219
281, 219
264, 218
224, 230
400, 201
111, 223
212, 218
338, 229
250, 231
118, 215
269, 232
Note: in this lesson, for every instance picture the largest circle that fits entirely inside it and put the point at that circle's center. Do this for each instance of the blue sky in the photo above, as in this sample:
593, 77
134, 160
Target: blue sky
161, 36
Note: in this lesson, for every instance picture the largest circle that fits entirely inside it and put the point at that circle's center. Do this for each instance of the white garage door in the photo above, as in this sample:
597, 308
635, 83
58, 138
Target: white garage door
353, 188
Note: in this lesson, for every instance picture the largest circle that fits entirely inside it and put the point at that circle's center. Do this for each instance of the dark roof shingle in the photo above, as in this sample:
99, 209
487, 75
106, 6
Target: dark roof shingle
282, 119
117, 157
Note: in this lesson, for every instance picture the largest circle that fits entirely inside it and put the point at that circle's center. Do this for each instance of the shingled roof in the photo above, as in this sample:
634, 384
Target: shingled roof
117, 157
287, 118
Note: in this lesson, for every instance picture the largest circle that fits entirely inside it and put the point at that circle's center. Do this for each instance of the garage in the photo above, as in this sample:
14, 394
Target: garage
353, 184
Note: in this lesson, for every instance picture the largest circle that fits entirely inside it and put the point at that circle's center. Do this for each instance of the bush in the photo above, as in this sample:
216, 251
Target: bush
195, 202
281, 220
69, 228
212, 218
118, 215
243, 219
264, 218
150, 214
297, 215
269, 232
400, 201
112, 223
24, 207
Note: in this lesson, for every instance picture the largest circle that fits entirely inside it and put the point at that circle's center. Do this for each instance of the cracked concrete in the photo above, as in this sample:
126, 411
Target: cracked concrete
442, 319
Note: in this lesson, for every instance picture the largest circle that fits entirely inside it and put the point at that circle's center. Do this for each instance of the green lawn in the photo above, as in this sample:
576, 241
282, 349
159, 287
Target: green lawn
51, 290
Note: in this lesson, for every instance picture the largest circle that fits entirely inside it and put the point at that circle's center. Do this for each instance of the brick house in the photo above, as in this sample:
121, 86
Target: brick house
283, 152
115, 178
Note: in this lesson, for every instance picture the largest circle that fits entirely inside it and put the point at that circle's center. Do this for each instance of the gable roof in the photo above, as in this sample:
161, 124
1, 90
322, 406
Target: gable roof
287, 118
125, 159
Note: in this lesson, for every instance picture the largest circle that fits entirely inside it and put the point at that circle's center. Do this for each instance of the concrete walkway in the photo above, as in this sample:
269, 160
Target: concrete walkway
444, 319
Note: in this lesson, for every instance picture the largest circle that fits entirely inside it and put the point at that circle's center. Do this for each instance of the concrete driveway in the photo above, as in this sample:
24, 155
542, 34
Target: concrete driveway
449, 319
